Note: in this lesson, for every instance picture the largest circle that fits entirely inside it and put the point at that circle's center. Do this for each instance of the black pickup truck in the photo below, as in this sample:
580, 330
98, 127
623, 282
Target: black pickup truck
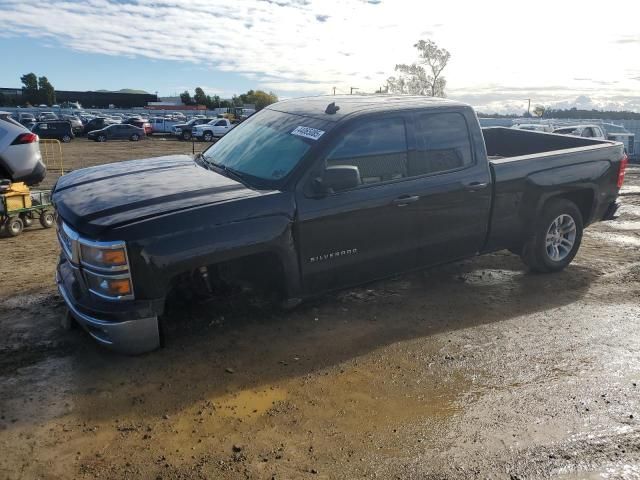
316, 194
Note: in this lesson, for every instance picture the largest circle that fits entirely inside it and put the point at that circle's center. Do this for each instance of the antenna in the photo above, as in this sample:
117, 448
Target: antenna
332, 108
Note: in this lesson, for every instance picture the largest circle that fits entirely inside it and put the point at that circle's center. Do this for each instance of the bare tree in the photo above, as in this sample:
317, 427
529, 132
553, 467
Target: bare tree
425, 76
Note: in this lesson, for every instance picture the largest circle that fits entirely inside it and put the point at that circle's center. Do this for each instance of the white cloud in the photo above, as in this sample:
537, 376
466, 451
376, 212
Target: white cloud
556, 51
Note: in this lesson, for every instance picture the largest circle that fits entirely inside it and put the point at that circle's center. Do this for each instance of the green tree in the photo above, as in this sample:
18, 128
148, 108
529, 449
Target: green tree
30, 88
200, 98
423, 77
538, 111
262, 99
258, 98
213, 102
185, 97
46, 91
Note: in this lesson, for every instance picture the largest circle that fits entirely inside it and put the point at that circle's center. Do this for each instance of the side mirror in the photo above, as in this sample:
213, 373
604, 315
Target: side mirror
341, 177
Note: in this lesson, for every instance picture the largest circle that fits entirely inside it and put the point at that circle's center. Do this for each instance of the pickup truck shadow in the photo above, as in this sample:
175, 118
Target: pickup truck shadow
215, 351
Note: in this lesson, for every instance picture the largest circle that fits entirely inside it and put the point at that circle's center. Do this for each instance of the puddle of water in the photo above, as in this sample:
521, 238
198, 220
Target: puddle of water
630, 190
24, 301
623, 225
630, 210
617, 472
491, 276
624, 240
248, 403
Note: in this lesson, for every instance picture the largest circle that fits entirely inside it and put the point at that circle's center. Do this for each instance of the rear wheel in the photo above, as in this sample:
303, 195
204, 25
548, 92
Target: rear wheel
27, 221
66, 138
556, 237
135, 137
47, 219
186, 135
13, 226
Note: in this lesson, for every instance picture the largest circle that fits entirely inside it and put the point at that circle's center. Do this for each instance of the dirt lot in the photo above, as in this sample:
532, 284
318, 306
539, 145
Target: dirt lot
475, 370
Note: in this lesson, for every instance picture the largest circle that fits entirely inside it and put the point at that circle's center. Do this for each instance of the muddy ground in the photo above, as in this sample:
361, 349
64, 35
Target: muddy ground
475, 370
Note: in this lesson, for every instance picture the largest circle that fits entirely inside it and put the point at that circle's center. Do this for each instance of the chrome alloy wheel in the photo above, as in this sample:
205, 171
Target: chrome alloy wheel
561, 237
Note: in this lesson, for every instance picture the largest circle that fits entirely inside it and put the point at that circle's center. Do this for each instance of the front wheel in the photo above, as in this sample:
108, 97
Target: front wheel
66, 139
208, 137
102, 138
186, 136
14, 226
556, 238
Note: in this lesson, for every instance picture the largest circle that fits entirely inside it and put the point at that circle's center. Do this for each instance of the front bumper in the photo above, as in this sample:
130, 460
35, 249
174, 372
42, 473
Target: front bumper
130, 336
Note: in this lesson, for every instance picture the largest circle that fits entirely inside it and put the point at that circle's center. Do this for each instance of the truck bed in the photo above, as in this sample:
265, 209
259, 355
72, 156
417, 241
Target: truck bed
507, 143
527, 167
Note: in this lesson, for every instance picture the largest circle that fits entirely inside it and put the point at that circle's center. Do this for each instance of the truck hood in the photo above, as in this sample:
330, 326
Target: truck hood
94, 199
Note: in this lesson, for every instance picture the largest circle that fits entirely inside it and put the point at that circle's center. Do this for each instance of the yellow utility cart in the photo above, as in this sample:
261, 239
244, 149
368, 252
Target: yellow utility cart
20, 207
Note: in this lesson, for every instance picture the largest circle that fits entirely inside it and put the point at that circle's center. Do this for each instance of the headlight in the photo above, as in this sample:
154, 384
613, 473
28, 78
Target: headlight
106, 269
111, 287
109, 257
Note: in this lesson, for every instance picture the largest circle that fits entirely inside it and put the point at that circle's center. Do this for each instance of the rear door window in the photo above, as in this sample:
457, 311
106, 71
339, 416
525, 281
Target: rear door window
442, 144
377, 147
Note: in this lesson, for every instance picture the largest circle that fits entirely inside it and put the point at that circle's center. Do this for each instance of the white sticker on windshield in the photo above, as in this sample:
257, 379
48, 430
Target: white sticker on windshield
308, 132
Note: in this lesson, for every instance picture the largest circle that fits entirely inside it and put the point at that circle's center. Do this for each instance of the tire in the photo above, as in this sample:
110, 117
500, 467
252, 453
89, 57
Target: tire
186, 136
47, 219
135, 137
27, 221
13, 226
101, 138
66, 139
208, 137
556, 237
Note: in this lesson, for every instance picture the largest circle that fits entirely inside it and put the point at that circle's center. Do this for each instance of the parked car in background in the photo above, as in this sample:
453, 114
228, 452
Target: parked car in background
98, 123
183, 130
76, 123
534, 127
140, 123
119, 131
216, 128
585, 131
163, 125
56, 129
25, 119
47, 116
20, 157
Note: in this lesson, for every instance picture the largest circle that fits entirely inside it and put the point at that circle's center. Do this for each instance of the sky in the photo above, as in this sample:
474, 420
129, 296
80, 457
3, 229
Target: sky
559, 54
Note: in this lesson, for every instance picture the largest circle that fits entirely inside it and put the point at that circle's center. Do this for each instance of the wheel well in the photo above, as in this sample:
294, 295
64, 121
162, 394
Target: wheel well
260, 272
583, 200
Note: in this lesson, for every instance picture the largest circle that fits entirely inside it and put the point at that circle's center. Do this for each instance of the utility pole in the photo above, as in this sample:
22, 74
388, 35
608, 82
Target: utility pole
529, 107
352, 89
334, 91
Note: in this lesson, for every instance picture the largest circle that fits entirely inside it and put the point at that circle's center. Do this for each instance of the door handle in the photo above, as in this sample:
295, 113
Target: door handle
473, 186
405, 200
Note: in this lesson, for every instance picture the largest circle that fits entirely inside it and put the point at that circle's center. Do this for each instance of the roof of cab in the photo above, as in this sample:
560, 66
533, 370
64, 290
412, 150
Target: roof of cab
349, 104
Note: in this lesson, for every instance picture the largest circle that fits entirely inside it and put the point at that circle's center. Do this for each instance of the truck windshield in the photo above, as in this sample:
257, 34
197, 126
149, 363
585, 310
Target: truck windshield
265, 148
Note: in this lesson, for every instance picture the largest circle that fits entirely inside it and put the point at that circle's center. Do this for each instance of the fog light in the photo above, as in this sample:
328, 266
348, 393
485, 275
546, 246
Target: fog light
117, 287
